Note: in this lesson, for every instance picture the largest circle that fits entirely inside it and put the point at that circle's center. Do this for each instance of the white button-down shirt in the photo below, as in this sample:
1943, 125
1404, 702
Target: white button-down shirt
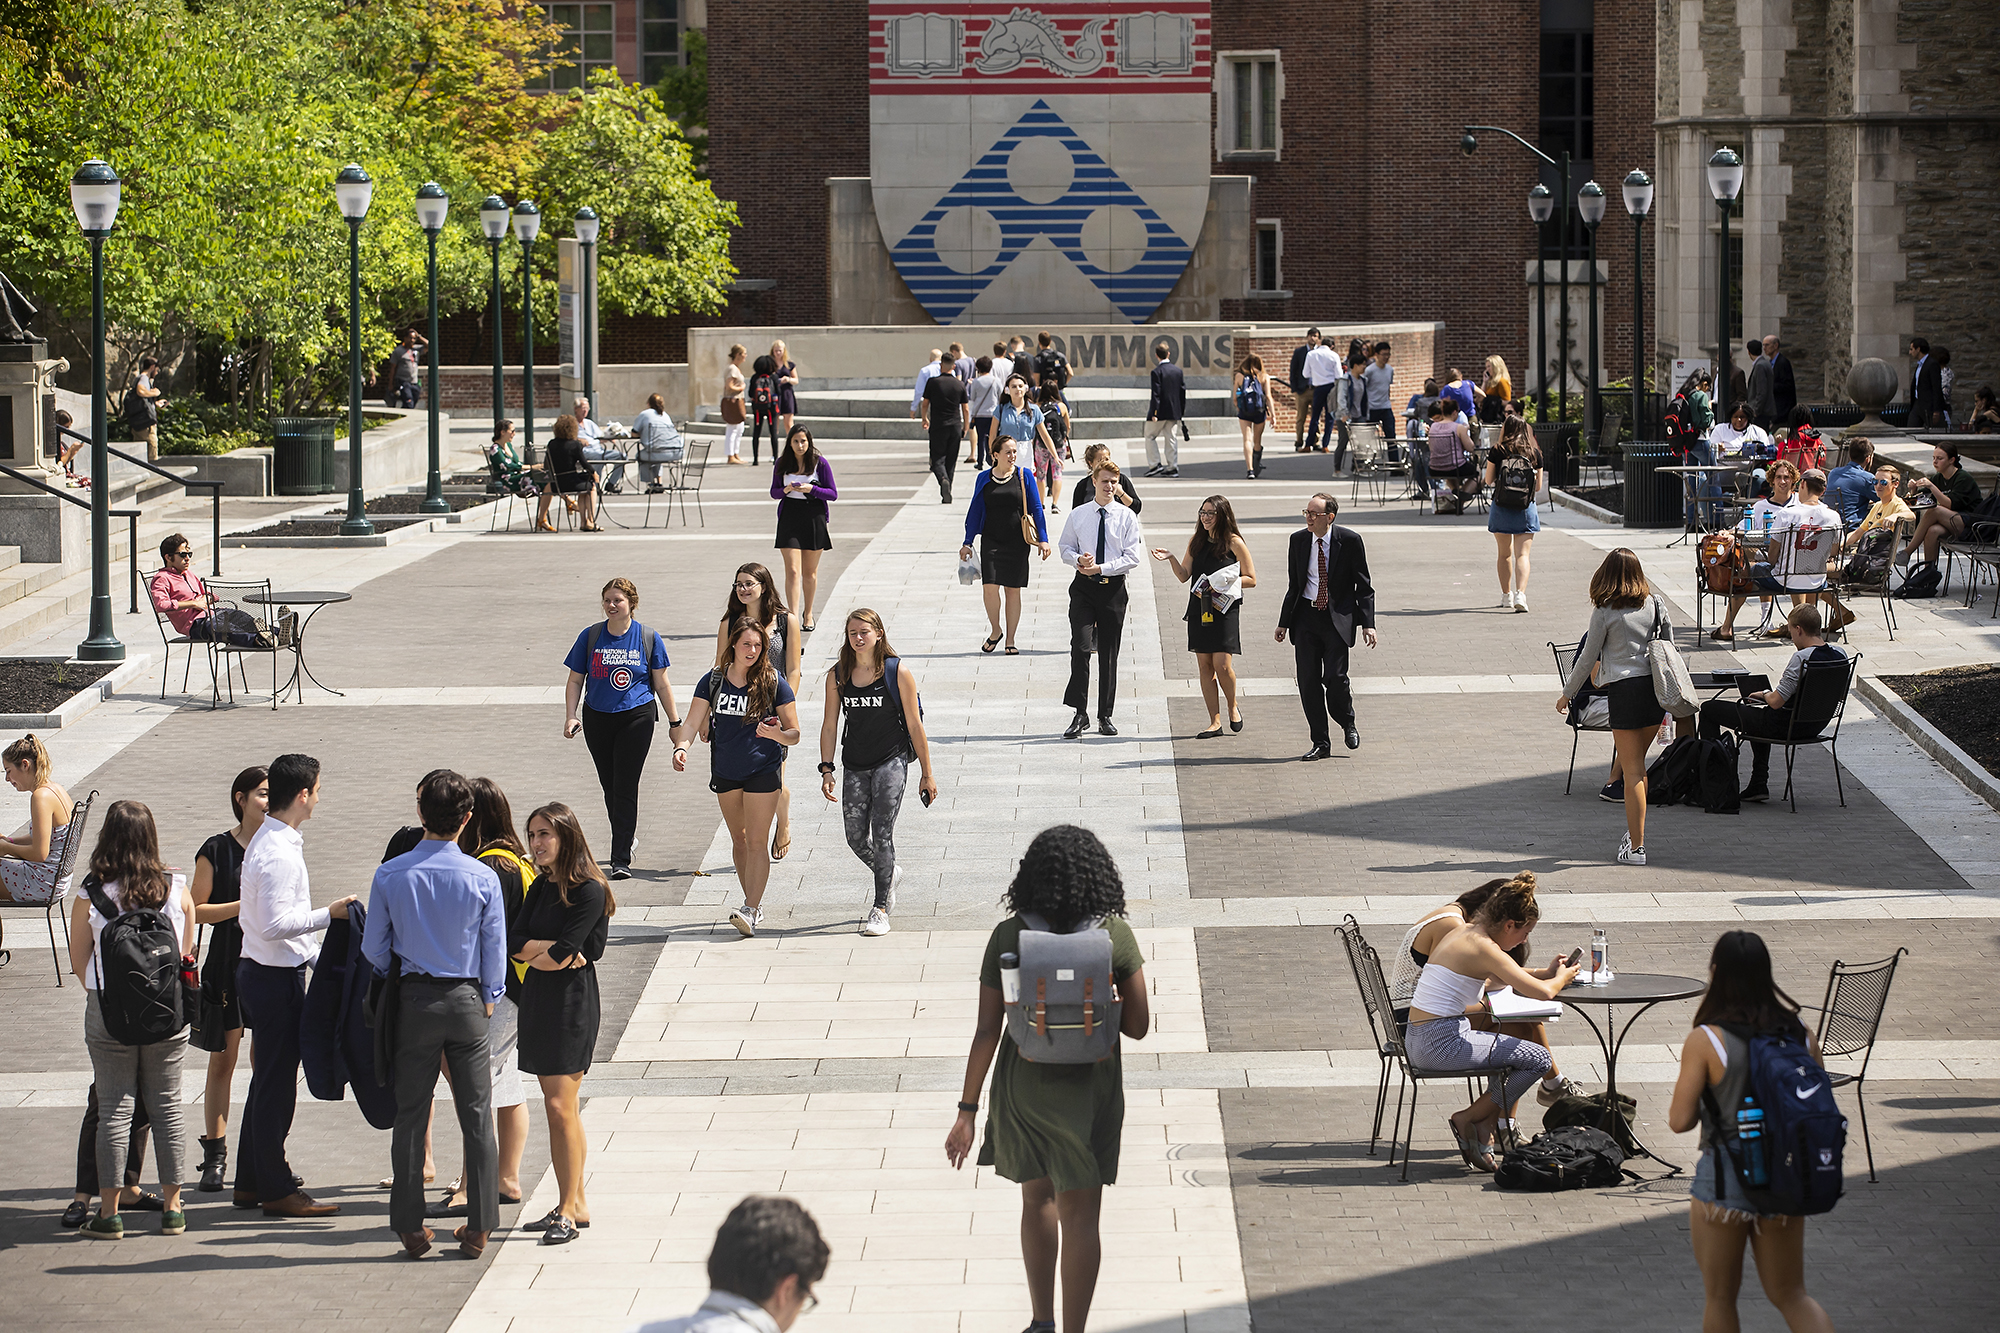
923, 378
1312, 565
280, 925
1123, 549
722, 1312
1323, 365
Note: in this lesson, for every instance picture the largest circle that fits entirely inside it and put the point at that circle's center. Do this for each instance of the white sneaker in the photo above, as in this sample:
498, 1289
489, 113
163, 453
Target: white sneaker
745, 918
895, 878
1520, 601
1630, 855
877, 922
1506, 601
1548, 1094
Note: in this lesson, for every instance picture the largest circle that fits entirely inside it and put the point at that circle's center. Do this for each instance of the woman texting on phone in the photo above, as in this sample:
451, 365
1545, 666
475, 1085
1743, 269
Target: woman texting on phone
755, 594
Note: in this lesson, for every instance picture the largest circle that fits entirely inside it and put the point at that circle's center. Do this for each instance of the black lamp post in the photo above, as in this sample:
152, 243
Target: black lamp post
93, 197
1590, 202
493, 215
353, 189
527, 222
1540, 204
1638, 202
586, 323
432, 205
1469, 145
1725, 178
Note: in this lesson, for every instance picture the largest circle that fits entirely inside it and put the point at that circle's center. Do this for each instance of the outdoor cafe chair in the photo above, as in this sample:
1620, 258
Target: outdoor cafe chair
1565, 655
79, 825
1856, 995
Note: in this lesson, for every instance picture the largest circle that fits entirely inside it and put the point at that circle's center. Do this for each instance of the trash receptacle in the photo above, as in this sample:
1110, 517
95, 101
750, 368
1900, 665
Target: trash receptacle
332, 437
1558, 443
298, 462
1652, 498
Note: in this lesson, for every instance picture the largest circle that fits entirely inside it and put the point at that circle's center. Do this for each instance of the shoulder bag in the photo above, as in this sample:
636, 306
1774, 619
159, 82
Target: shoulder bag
1672, 685
1028, 533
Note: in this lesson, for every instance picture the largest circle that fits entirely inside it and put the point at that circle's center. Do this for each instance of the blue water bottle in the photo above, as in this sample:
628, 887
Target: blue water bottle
1750, 1142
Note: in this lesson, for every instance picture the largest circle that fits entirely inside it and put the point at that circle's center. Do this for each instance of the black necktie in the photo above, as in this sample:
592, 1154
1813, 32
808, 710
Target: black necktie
1102, 516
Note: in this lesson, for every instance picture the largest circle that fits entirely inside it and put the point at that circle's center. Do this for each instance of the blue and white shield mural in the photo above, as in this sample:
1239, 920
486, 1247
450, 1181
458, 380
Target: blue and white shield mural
1046, 161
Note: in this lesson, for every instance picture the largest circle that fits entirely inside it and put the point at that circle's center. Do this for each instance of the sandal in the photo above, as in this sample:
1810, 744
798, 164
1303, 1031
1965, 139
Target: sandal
545, 526
1476, 1157
991, 643
1012, 651
554, 1215
779, 850
1722, 635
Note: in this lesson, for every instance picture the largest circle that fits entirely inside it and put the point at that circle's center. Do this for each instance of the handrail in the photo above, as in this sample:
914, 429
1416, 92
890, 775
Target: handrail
130, 515
214, 495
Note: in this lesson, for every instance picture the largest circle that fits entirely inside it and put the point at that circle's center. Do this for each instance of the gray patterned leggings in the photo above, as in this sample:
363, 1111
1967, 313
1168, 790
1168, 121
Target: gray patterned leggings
870, 800
1446, 1043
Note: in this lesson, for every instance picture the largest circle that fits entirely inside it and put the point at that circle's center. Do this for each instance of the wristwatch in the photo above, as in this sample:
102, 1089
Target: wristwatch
969, 1107
825, 767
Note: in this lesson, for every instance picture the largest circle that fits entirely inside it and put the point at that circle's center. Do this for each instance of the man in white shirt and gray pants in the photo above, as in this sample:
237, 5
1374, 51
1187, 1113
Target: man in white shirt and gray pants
280, 938
1101, 541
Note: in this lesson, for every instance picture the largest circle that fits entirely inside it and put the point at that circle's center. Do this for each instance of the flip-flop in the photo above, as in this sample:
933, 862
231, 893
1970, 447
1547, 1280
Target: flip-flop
991, 643
780, 850
1012, 651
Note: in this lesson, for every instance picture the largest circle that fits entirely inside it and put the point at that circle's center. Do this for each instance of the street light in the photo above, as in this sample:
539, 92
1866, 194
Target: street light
1590, 202
1725, 178
527, 222
352, 189
93, 197
432, 205
493, 215
1638, 202
1469, 144
586, 324
1540, 204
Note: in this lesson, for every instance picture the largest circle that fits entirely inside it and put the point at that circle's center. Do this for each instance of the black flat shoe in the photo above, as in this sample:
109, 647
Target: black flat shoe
1208, 735
1104, 727
1317, 752
554, 1216
1077, 726
75, 1215
147, 1202
1236, 724
560, 1232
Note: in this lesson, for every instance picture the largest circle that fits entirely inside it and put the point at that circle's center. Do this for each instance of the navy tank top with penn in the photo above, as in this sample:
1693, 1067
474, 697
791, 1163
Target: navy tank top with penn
616, 674
874, 731
736, 751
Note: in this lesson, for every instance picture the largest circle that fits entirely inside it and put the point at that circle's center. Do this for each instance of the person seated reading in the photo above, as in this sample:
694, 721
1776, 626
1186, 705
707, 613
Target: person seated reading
1454, 475
1768, 716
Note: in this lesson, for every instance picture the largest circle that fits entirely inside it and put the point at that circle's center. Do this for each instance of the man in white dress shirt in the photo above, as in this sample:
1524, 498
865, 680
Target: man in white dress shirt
1101, 540
280, 938
929, 369
767, 1256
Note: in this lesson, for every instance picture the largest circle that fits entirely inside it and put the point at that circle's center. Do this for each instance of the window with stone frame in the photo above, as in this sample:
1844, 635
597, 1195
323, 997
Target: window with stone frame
659, 39
587, 44
1250, 87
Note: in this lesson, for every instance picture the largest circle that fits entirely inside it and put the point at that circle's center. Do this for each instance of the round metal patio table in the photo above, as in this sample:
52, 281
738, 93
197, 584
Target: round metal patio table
1644, 989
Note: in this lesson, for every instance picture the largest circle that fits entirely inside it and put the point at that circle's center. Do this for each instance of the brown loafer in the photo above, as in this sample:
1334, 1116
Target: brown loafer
471, 1243
299, 1204
244, 1198
417, 1243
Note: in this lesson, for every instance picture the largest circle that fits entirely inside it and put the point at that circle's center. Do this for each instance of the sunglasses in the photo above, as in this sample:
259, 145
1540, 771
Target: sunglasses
182, 554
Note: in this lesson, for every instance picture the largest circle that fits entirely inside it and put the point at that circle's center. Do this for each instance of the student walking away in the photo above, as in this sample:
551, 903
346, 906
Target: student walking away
754, 595
748, 714
1301, 389
1056, 1120
1767, 716
1453, 985
1328, 597
732, 403
1218, 564
983, 400
873, 709
1051, 366
1101, 542
1514, 474
143, 402
280, 938
659, 442
131, 931
28, 865
946, 416
1768, 514
1086, 485
569, 477
1007, 519
930, 367
591, 436
802, 484
763, 404
1052, 445
405, 382
767, 1256
217, 895
618, 673
1164, 411
787, 375
1626, 617
1378, 385
1743, 1011
560, 934
1253, 409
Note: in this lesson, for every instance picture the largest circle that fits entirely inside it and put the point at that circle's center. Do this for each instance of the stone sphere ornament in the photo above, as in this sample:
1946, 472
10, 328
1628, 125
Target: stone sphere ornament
1872, 384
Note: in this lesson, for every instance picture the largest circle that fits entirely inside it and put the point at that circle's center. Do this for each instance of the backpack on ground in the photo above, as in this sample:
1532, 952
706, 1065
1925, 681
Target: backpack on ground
140, 989
1065, 1013
1675, 775
1514, 481
1716, 788
1924, 579
1250, 396
1573, 1108
1804, 1132
1574, 1157
764, 394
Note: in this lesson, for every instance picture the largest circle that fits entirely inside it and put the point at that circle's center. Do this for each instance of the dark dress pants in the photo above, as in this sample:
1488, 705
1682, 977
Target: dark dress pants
619, 744
944, 456
438, 1017
86, 1146
1321, 655
1321, 415
1752, 722
1096, 611
273, 999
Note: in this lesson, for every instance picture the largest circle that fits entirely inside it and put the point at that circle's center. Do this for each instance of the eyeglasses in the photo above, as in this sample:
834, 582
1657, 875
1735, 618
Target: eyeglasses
182, 554
749, 587
811, 1302
1206, 513
1314, 513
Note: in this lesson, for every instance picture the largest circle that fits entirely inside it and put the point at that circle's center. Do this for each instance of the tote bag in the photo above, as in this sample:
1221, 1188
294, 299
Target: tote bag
1672, 685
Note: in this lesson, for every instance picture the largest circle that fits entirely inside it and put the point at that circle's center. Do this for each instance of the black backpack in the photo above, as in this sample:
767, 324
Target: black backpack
142, 992
1717, 790
1051, 364
1870, 561
1514, 481
1574, 1157
1923, 580
764, 394
1674, 776
1678, 422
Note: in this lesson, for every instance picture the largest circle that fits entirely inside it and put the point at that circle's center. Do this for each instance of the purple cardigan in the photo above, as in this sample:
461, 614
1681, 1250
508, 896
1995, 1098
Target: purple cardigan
822, 489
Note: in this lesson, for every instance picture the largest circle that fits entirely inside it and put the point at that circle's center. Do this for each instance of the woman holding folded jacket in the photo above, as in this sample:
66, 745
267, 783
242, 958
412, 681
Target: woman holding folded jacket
1213, 636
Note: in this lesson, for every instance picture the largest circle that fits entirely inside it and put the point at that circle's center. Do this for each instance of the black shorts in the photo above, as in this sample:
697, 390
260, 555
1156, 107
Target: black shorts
767, 781
1633, 704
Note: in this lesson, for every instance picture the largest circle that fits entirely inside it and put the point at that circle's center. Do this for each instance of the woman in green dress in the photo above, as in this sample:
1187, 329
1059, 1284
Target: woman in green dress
1054, 1128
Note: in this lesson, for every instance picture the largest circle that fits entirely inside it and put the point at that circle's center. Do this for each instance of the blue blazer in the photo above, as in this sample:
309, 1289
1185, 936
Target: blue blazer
975, 513
336, 1049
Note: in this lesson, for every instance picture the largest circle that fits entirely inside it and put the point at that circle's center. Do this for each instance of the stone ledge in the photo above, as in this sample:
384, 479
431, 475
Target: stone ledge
1930, 740
1586, 508
80, 703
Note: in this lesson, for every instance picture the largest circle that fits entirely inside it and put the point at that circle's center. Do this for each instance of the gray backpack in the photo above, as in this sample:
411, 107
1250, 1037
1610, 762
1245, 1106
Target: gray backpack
1066, 1014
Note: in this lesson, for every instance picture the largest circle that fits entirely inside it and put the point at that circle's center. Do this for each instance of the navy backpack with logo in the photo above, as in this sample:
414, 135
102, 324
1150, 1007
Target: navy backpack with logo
1804, 1131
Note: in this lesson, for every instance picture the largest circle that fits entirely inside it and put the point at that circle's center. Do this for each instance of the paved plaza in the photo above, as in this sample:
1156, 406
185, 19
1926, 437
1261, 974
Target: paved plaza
820, 1064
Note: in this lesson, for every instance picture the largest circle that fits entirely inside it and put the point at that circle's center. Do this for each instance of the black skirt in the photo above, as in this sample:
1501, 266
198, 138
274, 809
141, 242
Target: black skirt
559, 1020
1633, 704
800, 527
1003, 563
1222, 634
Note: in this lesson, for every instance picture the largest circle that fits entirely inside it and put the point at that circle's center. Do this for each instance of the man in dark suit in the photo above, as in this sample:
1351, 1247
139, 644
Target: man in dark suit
1763, 402
1164, 412
1302, 389
1926, 385
1327, 595
1784, 384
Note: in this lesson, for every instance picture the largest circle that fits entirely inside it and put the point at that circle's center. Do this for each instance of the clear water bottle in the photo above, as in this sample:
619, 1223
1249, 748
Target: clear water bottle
1010, 978
1600, 957
1750, 1142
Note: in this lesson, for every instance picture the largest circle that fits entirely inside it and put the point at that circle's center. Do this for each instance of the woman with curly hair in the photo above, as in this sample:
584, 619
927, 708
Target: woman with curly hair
1054, 1128
755, 594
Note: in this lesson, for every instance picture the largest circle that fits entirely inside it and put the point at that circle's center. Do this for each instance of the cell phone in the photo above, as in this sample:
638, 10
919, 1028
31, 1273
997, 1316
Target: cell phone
1575, 957
925, 797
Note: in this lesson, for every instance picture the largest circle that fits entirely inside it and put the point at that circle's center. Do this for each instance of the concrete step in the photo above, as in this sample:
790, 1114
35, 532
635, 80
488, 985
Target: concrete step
34, 596
894, 404
9, 556
889, 428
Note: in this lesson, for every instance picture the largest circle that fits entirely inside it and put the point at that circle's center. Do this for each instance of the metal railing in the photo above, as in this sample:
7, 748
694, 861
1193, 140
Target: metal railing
214, 496
130, 515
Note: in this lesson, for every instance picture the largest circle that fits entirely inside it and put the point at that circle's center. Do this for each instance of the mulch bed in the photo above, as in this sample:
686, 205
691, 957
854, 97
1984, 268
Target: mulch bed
316, 527
409, 504
1963, 703
1604, 497
43, 687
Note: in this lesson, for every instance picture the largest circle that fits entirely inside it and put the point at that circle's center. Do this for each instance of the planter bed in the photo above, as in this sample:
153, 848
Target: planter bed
42, 685
1604, 497
1962, 702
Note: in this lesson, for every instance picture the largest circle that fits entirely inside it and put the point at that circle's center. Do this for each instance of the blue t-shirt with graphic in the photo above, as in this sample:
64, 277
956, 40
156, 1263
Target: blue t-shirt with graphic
616, 676
736, 751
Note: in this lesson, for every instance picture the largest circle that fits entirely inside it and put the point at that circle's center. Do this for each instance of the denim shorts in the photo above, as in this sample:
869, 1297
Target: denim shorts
1701, 1184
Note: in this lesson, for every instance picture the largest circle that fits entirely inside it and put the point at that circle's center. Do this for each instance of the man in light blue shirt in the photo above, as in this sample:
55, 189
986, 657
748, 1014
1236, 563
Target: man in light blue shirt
437, 914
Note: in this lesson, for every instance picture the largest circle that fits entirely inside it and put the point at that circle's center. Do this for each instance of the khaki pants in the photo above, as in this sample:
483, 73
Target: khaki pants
1301, 409
150, 437
1163, 444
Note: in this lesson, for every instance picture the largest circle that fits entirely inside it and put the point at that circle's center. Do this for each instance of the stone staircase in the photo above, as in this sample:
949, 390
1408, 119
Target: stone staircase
837, 411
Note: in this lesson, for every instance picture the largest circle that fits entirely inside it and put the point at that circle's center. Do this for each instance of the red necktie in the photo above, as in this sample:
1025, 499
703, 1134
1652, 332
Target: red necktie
1320, 601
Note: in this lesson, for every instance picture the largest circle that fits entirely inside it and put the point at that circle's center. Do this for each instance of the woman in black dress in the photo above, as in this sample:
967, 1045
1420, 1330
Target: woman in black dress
1213, 635
566, 473
560, 934
1002, 500
802, 484
218, 868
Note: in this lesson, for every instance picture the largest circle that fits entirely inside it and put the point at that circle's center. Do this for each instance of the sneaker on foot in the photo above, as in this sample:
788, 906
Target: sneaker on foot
1548, 1094
173, 1223
103, 1228
1630, 855
745, 921
877, 922
1757, 791
1520, 601
1612, 791
620, 871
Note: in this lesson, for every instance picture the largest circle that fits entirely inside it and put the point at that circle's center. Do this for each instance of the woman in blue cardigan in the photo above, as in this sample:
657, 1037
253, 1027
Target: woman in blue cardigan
802, 484
1002, 500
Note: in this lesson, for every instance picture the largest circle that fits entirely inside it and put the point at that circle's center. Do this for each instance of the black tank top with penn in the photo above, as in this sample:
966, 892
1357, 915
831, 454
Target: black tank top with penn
873, 734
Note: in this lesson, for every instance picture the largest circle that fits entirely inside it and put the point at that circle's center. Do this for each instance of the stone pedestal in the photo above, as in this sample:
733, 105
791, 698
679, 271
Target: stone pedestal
27, 408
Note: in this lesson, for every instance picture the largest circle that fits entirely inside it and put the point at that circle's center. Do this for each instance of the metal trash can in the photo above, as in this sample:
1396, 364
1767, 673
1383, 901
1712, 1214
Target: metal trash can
1558, 443
330, 440
298, 455
1652, 498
